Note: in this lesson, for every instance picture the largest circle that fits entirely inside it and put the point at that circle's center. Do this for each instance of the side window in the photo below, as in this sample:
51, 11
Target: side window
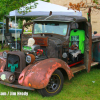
77, 38
74, 39
38, 28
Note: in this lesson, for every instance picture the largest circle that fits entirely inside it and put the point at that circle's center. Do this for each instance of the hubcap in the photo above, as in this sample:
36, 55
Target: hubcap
53, 84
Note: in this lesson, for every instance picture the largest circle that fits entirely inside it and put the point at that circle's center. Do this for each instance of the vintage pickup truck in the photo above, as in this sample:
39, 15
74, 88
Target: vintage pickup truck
58, 46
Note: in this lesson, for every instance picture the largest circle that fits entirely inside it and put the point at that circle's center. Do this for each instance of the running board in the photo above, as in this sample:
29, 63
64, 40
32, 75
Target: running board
78, 68
81, 67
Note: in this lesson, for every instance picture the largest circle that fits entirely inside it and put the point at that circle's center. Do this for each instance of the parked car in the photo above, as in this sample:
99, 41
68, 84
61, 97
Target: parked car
58, 46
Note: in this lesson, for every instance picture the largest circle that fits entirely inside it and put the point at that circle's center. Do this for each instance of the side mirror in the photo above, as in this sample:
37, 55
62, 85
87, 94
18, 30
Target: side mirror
95, 32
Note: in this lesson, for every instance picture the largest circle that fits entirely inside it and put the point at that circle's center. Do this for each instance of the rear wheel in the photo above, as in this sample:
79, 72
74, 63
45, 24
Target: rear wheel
54, 86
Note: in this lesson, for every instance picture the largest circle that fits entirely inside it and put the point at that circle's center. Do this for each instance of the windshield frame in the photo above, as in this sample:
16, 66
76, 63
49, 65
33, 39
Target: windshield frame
51, 22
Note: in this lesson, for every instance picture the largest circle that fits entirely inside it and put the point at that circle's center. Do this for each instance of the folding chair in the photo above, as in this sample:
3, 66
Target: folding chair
10, 41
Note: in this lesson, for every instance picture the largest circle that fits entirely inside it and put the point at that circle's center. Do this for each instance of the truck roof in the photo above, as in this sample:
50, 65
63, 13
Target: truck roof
61, 18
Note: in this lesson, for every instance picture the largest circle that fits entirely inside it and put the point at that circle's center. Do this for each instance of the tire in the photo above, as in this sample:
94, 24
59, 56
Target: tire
54, 86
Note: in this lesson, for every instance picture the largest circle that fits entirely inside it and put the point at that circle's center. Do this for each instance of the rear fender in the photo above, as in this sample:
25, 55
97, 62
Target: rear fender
37, 75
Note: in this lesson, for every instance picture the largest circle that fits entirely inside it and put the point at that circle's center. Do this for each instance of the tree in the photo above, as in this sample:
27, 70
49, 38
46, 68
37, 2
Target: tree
93, 4
9, 5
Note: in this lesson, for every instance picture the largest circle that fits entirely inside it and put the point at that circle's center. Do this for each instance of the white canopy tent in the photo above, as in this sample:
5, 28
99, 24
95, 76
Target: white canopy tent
43, 9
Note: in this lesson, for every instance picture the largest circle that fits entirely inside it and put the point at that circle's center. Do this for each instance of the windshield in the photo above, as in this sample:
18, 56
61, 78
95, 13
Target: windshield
54, 28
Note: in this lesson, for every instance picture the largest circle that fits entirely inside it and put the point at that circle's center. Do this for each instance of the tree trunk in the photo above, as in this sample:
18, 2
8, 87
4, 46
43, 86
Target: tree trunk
7, 25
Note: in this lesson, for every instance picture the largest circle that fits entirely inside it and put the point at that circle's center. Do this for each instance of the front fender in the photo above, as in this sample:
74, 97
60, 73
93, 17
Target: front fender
1, 54
37, 75
2, 63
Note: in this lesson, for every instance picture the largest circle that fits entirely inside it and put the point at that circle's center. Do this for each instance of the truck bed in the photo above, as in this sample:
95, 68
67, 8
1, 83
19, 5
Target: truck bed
95, 38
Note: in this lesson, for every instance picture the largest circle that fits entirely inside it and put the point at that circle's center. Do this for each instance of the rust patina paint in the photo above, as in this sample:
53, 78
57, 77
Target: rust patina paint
2, 64
0, 53
38, 75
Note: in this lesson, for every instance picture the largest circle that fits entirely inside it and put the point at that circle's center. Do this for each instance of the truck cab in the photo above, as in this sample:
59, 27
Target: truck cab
65, 37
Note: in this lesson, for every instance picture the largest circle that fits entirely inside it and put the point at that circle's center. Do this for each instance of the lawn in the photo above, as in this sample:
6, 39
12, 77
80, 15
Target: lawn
84, 86
4, 48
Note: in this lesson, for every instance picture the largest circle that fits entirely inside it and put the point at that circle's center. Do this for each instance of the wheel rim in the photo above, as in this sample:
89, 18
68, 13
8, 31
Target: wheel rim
54, 84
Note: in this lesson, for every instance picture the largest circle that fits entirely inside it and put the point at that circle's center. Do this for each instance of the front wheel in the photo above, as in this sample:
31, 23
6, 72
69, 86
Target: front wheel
54, 86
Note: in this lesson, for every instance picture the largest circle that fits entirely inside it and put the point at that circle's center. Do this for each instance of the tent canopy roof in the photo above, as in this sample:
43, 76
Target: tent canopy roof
44, 8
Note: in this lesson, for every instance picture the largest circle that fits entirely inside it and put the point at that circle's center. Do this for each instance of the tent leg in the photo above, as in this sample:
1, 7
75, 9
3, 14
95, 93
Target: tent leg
2, 35
15, 33
2, 46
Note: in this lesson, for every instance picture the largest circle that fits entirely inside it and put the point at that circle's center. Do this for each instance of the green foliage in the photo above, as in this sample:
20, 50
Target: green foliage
27, 8
9, 5
95, 1
20, 24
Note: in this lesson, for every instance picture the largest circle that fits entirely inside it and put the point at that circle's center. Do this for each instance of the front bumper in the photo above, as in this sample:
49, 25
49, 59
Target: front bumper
16, 85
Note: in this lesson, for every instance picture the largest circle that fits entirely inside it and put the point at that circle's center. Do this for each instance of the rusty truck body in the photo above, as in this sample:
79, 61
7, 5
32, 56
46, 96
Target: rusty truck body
61, 44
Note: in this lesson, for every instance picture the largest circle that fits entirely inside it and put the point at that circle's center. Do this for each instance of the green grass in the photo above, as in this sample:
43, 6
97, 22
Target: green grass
4, 48
28, 32
80, 87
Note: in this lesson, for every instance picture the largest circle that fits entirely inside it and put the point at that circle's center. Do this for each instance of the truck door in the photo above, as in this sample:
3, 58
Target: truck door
88, 46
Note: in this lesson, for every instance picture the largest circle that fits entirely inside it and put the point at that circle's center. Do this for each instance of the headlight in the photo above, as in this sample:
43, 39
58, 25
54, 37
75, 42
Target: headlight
30, 58
5, 54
